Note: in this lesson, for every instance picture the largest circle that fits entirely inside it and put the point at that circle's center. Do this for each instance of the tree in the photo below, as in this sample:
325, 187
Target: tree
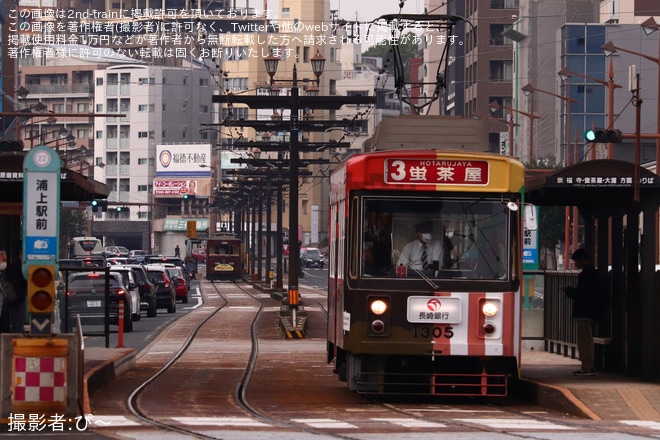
73, 223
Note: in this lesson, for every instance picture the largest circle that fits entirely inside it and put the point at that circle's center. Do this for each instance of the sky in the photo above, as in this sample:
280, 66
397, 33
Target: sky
368, 10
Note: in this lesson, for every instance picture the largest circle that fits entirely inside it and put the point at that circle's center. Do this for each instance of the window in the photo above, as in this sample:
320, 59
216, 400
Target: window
99, 81
504, 4
145, 161
112, 132
83, 107
99, 108
99, 134
203, 81
203, 108
236, 113
145, 188
146, 134
82, 133
236, 83
58, 79
504, 101
146, 80
58, 108
286, 12
496, 37
468, 244
306, 54
501, 70
147, 108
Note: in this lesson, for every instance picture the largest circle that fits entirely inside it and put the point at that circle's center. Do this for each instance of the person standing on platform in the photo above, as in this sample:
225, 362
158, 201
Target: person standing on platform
586, 304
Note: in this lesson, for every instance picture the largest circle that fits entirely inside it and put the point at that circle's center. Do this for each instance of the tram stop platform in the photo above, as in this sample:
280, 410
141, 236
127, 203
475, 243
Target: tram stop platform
546, 380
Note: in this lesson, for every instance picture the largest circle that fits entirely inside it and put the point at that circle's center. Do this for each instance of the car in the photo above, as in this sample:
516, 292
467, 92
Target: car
131, 285
312, 257
180, 283
165, 290
199, 254
85, 296
117, 261
137, 255
146, 289
115, 251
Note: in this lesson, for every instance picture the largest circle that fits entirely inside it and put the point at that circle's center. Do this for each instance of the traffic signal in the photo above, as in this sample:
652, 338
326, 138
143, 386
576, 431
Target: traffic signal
95, 206
41, 289
104, 205
11, 145
185, 196
603, 136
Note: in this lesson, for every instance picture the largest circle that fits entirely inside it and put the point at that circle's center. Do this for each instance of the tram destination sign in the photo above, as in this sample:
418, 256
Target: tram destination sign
436, 172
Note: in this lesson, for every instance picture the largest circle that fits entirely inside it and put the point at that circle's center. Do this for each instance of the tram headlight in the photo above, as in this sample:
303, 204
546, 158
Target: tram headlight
378, 307
489, 309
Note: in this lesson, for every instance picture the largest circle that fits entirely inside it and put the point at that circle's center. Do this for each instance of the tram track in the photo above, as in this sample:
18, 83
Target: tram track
240, 390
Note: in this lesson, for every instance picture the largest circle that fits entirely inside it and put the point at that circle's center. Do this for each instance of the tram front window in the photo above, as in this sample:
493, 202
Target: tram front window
420, 237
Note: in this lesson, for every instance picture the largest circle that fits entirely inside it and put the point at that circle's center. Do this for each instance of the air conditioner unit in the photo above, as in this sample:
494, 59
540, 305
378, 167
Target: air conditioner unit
614, 19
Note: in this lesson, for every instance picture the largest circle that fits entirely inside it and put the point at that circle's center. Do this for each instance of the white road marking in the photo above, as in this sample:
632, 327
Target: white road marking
220, 421
642, 423
526, 424
325, 423
410, 423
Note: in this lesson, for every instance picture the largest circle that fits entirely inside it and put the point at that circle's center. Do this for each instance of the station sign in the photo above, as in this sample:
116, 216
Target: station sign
41, 208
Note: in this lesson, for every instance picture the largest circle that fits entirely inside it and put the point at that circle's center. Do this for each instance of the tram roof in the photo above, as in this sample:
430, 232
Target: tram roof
592, 182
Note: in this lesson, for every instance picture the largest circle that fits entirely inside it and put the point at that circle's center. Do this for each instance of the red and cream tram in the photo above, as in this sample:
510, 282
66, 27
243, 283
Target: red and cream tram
450, 326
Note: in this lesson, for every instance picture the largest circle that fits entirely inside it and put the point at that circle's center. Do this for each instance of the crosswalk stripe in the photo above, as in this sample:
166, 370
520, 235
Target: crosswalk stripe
642, 423
411, 423
326, 423
220, 421
515, 424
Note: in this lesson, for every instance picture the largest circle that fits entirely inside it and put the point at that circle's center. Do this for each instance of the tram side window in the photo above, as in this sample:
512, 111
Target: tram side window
377, 244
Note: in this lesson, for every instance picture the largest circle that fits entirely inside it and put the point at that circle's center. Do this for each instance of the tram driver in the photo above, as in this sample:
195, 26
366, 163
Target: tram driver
423, 253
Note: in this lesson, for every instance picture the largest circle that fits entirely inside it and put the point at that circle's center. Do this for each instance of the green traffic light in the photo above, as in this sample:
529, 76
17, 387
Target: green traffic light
590, 135
118, 208
95, 203
185, 196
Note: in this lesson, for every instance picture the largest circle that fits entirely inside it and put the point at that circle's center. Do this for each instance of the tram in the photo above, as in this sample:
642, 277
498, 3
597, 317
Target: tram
452, 325
225, 258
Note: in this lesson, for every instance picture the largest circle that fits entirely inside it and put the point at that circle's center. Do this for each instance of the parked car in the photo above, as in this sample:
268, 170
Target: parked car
199, 254
86, 297
115, 251
146, 289
137, 256
131, 284
165, 291
180, 283
312, 257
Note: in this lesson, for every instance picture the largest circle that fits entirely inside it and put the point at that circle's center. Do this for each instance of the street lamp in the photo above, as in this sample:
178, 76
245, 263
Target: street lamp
565, 74
495, 106
529, 89
610, 49
318, 63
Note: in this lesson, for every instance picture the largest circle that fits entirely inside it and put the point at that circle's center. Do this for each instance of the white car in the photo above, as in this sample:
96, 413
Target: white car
131, 286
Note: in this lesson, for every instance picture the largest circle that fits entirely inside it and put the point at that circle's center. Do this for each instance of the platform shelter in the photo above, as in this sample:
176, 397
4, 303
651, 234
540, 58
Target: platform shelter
620, 232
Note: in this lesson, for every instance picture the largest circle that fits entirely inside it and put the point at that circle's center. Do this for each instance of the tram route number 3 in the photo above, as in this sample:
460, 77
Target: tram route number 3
426, 331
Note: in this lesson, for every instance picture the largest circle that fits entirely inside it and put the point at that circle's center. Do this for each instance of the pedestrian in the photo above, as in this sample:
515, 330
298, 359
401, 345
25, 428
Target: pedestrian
423, 253
15, 276
177, 251
7, 295
587, 303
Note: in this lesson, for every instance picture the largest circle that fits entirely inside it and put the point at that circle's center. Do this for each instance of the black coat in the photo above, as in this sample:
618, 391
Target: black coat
588, 300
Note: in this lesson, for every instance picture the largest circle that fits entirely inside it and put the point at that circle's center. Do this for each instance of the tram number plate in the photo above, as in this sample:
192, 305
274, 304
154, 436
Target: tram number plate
434, 309
95, 303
